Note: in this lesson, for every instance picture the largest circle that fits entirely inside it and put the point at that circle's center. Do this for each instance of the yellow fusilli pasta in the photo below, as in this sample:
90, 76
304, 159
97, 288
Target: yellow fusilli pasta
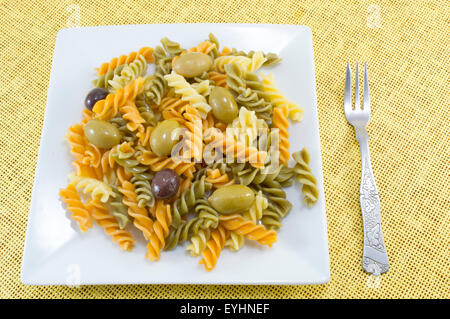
295, 112
247, 127
97, 189
242, 61
198, 242
255, 213
188, 93
129, 73
257, 61
235, 242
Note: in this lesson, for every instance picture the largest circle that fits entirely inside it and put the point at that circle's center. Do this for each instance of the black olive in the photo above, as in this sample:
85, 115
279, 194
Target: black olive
165, 183
95, 95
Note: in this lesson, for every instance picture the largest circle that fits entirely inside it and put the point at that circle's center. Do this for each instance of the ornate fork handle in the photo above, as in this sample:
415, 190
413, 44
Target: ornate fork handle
375, 260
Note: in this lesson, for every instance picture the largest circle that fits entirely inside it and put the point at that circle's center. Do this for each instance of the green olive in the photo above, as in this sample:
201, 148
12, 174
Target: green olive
102, 134
192, 64
232, 199
164, 137
223, 105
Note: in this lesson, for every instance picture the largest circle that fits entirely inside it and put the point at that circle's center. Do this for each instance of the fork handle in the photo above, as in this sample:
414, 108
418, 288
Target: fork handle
375, 260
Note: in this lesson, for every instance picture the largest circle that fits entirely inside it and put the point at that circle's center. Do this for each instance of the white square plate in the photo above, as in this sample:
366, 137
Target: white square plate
56, 252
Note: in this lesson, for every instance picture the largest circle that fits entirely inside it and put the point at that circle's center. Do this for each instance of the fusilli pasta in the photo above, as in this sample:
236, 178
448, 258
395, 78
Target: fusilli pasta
281, 122
109, 107
250, 230
110, 225
97, 189
146, 52
142, 221
188, 93
160, 230
79, 211
295, 112
213, 248
305, 177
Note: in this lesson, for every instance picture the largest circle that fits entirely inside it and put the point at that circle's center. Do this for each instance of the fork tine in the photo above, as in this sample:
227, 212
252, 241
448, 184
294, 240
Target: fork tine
348, 90
366, 98
357, 105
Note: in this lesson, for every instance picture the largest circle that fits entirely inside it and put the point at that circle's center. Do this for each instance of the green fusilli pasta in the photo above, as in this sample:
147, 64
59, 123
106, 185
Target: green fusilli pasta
214, 52
144, 193
206, 213
146, 111
126, 160
120, 211
271, 58
234, 78
171, 47
121, 124
187, 200
103, 80
253, 102
305, 177
129, 73
182, 233
157, 87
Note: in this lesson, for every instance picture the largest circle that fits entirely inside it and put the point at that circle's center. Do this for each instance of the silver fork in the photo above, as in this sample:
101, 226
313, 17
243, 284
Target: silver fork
375, 260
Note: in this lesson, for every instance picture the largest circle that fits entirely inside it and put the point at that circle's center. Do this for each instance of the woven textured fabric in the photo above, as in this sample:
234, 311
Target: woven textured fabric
407, 47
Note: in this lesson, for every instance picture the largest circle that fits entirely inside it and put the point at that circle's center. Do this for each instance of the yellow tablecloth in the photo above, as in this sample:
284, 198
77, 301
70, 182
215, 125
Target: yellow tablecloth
407, 46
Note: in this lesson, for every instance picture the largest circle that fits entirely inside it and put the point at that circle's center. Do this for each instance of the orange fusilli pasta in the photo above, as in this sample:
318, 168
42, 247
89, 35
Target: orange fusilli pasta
75, 138
140, 214
85, 153
195, 127
146, 52
84, 170
157, 163
225, 51
213, 248
247, 228
217, 179
87, 116
236, 149
160, 230
110, 225
108, 108
144, 136
79, 211
280, 121
219, 79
